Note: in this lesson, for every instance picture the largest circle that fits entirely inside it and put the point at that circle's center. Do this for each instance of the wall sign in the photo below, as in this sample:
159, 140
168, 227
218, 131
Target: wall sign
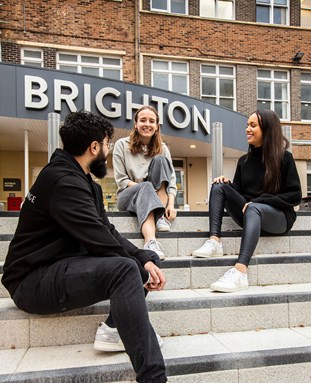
12, 184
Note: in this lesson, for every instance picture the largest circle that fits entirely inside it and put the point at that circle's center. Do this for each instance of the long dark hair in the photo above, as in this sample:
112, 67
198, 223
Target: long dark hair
273, 146
155, 144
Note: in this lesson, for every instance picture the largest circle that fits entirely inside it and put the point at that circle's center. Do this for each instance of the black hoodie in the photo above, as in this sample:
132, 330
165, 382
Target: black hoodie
63, 216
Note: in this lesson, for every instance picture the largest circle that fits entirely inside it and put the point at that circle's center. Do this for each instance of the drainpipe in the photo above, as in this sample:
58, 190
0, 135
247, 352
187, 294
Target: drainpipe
217, 150
137, 42
287, 132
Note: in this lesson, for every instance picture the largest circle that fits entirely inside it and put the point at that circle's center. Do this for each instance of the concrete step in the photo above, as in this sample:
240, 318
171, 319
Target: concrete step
172, 312
257, 356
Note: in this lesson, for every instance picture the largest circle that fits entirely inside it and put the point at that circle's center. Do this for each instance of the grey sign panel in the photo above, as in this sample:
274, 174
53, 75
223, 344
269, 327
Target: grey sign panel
33, 93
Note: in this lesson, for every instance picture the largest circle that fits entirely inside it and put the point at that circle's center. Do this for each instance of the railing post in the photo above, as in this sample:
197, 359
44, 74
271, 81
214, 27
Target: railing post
287, 132
53, 136
217, 150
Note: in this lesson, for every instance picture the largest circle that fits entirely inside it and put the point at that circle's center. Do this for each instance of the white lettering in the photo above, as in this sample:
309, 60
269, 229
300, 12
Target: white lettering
130, 105
68, 98
31, 197
87, 97
30, 92
198, 118
116, 108
186, 113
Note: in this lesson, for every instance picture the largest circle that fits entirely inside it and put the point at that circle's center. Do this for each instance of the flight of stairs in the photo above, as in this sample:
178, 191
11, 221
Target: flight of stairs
259, 335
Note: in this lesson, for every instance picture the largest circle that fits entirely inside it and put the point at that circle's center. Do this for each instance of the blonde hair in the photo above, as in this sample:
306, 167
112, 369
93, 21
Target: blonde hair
155, 144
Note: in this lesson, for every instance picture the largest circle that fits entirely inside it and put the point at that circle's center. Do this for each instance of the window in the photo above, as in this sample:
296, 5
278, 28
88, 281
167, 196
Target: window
218, 85
171, 6
306, 96
109, 67
306, 13
272, 11
32, 57
219, 9
170, 75
273, 91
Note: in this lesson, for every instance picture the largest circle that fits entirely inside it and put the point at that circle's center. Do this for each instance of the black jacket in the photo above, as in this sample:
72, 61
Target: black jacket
63, 216
249, 180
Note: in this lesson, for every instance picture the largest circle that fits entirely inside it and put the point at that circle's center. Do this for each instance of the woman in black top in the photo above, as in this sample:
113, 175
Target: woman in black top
262, 196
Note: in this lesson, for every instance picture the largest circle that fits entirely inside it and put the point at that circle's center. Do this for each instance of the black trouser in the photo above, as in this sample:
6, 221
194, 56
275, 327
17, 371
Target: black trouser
258, 216
82, 281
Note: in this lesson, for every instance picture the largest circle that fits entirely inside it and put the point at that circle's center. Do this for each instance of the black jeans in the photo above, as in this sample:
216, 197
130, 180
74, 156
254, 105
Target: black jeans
258, 217
82, 281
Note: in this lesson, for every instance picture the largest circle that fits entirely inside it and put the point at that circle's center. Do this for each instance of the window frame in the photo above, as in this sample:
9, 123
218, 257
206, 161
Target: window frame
218, 76
32, 60
306, 82
170, 72
79, 64
272, 80
272, 6
306, 9
169, 7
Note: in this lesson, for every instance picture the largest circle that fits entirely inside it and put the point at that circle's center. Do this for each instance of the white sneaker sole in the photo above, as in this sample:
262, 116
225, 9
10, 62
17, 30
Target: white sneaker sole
204, 255
163, 229
108, 347
227, 289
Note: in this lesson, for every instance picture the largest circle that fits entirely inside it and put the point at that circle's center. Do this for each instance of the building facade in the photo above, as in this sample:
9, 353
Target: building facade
240, 55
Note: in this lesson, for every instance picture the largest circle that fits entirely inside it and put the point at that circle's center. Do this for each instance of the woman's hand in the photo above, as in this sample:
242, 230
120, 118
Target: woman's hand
245, 207
156, 280
221, 180
170, 211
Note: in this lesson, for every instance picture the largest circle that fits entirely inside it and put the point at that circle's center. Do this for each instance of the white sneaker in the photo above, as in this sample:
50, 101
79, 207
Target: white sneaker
108, 339
211, 248
163, 224
233, 280
155, 246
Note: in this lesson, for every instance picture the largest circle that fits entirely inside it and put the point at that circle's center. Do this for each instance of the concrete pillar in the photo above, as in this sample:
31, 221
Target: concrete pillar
53, 136
217, 150
287, 132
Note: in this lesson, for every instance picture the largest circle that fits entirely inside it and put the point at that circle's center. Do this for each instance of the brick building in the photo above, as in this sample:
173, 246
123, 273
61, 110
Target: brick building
240, 55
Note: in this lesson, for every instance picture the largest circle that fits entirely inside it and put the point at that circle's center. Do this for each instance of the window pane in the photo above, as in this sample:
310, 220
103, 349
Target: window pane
305, 92
90, 59
280, 91
306, 18
262, 14
33, 64
91, 71
160, 80
280, 109
280, 2
226, 87
111, 61
68, 68
207, 8
264, 90
263, 105
160, 65
227, 103
159, 4
280, 75
225, 10
208, 86
306, 112
179, 67
263, 1
226, 70
112, 74
179, 84
306, 77
279, 16
67, 57
208, 69
32, 54
211, 100
178, 6
263, 73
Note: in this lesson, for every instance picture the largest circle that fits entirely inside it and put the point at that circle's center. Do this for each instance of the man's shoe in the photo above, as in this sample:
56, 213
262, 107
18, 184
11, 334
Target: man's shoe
108, 339
233, 280
211, 248
163, 224
155, 246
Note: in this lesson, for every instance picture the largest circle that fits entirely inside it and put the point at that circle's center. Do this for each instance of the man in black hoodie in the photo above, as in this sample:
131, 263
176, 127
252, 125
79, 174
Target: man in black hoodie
65, 253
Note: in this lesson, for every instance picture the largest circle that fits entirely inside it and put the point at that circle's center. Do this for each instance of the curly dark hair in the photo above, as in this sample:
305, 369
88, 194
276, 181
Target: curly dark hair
81, 128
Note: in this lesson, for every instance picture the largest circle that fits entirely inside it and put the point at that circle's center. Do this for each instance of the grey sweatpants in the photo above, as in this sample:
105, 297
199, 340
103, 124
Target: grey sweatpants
142, 198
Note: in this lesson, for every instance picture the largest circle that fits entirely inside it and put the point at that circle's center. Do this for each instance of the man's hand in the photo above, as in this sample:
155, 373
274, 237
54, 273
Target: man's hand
157, 280
221, 180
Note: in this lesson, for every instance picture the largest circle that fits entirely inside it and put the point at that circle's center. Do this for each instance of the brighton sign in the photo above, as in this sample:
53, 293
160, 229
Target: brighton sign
33, 93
